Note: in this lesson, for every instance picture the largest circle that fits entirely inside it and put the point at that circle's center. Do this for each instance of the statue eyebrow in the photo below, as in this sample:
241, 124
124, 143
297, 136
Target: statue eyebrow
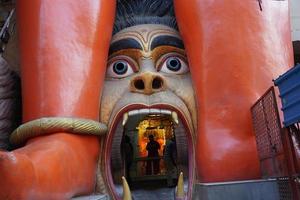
127, 43
166, 40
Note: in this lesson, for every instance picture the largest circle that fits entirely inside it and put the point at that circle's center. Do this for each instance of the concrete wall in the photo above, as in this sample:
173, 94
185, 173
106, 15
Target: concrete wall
239, 190
295, 19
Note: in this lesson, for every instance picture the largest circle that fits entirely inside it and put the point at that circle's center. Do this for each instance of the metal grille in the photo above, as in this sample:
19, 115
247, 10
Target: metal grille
267, 125
267, 130
284, 188
268, 134
273, 121
261, 131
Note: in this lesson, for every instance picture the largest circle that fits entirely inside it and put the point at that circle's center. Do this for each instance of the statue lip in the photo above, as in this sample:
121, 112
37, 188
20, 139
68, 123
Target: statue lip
115, 120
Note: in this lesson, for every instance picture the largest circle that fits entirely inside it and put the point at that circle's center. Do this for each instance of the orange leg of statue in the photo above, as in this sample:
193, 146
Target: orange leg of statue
232, 63
63, 47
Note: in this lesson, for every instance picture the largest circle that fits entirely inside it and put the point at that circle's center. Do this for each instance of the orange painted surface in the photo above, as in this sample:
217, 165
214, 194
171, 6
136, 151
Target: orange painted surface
57, 166
234, 51
63, 59
64, 47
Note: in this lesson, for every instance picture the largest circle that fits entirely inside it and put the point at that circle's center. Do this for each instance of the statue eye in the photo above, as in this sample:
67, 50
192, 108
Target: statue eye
120, 68
175, 65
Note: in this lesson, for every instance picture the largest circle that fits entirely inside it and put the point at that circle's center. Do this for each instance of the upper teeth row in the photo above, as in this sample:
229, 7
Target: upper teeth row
150, 111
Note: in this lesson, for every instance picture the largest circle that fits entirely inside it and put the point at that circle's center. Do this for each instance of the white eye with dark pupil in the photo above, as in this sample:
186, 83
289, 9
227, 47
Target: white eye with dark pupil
120, 67
173, 64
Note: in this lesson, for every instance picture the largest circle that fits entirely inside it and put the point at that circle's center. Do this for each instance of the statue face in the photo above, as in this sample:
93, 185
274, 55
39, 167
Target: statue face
148, 75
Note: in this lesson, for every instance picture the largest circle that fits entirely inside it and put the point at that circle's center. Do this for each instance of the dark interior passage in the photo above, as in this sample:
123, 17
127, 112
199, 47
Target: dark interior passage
154, 175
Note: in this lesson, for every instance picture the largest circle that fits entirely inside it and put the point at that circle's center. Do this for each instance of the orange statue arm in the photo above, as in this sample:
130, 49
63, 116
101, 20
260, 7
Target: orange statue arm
64, 47
231, 48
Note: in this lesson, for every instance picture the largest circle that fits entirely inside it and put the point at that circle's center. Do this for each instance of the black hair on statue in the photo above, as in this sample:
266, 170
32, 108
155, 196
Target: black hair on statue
135, 12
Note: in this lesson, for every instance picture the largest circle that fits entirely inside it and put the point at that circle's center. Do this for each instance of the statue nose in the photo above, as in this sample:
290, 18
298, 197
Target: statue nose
147, 83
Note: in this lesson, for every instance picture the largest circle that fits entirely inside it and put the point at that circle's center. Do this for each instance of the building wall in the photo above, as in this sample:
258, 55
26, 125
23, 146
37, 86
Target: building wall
295, 16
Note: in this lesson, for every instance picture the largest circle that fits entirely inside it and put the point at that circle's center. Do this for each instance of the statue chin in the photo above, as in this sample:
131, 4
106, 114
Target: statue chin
138, 112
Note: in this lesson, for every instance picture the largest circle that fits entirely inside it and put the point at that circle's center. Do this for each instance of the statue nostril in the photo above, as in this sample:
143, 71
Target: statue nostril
157, 83
139, 84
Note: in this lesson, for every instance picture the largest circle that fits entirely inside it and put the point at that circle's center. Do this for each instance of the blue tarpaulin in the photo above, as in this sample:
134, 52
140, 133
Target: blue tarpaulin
289, 88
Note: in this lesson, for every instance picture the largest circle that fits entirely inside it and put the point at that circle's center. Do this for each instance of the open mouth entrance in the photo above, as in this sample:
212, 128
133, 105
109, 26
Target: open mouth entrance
150, 147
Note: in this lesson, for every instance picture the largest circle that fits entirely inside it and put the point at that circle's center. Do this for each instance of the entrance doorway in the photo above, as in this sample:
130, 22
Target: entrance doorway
150, 176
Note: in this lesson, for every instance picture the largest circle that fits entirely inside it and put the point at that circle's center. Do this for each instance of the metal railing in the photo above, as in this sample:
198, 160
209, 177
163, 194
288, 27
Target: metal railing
148, 168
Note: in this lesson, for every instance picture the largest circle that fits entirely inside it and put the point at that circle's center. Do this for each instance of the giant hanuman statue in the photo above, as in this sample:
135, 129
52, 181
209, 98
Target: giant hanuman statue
89, 68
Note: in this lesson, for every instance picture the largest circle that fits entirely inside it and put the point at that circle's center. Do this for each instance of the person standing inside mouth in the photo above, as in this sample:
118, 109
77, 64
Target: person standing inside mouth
170, 157
127, 151
152, 164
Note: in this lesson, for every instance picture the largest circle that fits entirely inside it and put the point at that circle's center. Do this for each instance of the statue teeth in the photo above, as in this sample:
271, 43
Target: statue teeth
144, 111
125, 119
166, 112
126, 190
180, 187
151, 111
175, 117
154, 111
133, 112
